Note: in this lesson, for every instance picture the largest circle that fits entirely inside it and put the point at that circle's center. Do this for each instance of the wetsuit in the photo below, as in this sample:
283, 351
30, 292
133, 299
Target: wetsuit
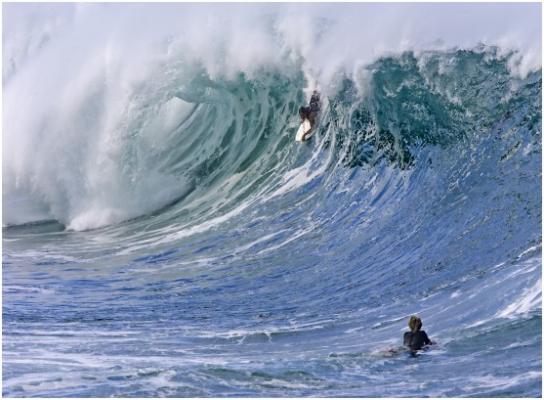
416, 340
314, 102
304, 112
310, 112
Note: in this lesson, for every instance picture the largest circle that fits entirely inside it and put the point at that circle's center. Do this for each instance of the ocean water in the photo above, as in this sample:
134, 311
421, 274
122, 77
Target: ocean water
163, 234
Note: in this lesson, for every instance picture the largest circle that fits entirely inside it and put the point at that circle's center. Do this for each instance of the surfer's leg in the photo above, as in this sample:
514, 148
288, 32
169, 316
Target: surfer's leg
304, 137
312, 117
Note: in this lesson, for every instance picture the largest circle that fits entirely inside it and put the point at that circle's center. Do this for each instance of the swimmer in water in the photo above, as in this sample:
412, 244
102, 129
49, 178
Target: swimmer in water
416, 338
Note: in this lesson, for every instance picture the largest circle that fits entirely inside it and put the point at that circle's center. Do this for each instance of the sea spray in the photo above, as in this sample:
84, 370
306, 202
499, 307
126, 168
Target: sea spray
165, 236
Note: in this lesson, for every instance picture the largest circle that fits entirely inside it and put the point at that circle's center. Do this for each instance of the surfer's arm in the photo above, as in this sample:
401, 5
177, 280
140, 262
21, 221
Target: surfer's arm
406, 339
426, 339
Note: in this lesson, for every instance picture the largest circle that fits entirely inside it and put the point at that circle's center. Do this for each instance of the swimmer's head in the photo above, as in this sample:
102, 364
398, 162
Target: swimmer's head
415, 323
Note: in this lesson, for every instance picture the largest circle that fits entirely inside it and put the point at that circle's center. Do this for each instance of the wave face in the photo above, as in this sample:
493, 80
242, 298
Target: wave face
165, 236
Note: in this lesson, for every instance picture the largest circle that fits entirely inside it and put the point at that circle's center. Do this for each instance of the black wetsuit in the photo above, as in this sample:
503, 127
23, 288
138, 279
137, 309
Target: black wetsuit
314, 104
416, 340
310, 112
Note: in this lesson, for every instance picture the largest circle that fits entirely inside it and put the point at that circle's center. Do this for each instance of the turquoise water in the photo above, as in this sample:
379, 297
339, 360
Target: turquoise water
200, 251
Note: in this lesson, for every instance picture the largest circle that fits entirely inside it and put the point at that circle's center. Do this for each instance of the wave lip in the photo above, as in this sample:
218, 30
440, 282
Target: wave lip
170, 238
185, 142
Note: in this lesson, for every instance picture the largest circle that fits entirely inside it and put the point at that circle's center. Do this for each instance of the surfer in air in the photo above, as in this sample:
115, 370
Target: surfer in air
308, 116
416, 339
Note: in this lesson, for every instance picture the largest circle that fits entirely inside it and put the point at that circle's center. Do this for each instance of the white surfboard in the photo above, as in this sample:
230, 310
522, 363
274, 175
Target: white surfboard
305, 127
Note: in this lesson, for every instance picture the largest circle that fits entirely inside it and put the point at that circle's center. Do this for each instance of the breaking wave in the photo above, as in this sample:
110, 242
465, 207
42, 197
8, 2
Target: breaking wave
170, 158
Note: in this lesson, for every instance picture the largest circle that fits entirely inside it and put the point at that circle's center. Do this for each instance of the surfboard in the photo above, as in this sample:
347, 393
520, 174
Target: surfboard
305, 127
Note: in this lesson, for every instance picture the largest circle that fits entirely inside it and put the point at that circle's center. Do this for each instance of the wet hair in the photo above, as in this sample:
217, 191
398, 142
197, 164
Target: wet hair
415, 323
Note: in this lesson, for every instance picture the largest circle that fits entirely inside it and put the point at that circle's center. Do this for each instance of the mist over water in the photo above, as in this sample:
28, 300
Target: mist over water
164, 235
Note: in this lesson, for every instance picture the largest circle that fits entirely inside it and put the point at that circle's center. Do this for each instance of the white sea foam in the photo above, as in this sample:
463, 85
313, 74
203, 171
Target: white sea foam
529, 300
9, 289
80, 79
491, 382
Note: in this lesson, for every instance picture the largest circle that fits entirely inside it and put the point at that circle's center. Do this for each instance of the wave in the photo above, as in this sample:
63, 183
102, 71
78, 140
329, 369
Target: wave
139, 117
203, 146
152, 187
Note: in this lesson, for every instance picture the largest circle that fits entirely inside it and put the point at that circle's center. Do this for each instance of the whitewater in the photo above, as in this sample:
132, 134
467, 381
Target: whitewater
164, 235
